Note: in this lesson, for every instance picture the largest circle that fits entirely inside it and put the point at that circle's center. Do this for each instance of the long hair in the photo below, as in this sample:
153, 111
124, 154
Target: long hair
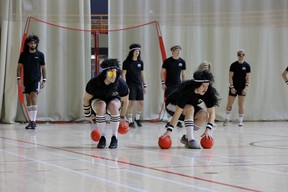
130, 54
188, 87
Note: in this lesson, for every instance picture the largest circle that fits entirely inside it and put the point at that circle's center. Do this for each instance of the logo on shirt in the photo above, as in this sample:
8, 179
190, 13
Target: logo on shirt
139, 65
180, 64
244, 68
114, 93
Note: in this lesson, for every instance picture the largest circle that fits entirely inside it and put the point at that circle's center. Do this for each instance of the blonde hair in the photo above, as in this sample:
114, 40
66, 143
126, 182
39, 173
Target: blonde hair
202, 66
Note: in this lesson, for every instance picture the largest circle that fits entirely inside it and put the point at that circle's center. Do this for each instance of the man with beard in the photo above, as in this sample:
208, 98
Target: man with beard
183, 104
34, 67
104, 94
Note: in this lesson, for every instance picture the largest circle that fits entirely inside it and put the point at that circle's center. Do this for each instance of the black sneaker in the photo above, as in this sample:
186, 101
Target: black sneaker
184, 140
29, 126
179, 124
33, 125
102, 143
114, 142
132, 125
138, 122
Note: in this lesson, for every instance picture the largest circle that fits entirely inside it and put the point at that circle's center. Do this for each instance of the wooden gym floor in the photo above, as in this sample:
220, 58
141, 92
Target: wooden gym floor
62, 157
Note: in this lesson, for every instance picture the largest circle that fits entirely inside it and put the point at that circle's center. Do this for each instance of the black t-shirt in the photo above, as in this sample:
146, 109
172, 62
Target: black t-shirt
133, 71
240, 71
173, 70
185, 94
32, 65
100, 90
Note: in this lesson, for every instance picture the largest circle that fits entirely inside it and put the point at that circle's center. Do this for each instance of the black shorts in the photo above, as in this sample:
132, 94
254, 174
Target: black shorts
136, 92
31, 87
238, 92
170, 89
170, 108
106, 101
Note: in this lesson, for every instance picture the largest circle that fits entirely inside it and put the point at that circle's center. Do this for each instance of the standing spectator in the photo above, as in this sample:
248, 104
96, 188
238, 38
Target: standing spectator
204, 66
133, 74
239, 79
33, 62
285, 75
173, 72
104, 94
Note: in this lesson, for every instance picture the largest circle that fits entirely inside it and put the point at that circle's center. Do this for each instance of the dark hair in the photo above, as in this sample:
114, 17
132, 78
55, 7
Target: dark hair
29, 39
132, 49
109, 64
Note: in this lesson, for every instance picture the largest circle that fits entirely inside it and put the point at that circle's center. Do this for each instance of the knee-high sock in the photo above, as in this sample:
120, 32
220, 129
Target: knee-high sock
101, 124
130, 117
189, 126
241, 117
138, 113
29, 110
227, 115
34, 113
115, 121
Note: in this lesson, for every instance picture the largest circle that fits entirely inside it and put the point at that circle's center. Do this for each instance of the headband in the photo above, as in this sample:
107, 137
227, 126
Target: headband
202, 81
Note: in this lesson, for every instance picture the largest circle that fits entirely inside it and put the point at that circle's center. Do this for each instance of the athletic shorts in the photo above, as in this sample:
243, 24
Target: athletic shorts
136, 92
106, 101
170, 108
238, 92
31, 87
170, 89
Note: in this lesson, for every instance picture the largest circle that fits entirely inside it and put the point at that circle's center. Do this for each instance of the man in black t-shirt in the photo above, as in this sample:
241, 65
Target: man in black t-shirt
173, 72
239, 79
104, 94
183, 104
133, 74
33, 62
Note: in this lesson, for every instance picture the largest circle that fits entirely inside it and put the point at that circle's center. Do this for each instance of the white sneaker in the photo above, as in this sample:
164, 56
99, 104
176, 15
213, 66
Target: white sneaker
241, 124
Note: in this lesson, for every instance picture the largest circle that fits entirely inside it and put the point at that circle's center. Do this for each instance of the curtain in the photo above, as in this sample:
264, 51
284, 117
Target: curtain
211, 31
67, 54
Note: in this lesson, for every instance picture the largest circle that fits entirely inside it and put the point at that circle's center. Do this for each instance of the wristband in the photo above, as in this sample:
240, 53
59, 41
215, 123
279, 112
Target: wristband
162, 82
18, 78
44, 80
144, 85
286, 82
170, 128
247, 84
231, 86
122, 117
209, 126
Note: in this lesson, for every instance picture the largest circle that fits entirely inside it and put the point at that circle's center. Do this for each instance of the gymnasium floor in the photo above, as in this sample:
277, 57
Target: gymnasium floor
61, 157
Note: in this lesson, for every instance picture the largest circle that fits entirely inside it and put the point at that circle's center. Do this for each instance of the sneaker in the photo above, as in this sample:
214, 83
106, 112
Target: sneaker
114, 142
102, 143
241, 124
192, 144
179, 124
33, 125
184, 140
138, 122
29, 126
132, 125
225, 123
